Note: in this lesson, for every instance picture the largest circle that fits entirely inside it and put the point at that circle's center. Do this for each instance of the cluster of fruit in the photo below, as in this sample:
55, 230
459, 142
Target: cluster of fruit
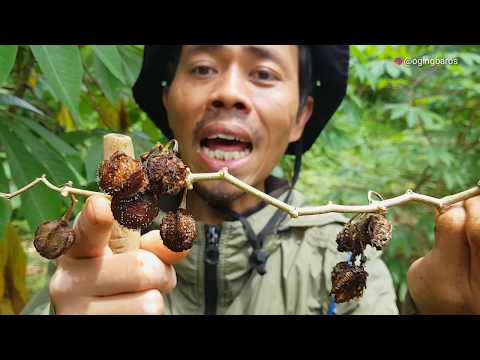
135, 187
348, 279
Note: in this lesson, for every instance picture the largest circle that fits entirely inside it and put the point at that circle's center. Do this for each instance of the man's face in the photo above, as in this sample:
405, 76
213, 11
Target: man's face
235, 106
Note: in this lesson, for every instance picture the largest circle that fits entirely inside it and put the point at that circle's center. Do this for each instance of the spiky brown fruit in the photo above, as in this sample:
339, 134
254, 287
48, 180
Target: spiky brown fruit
178, 230
135, 213
166, 172
348, 282
371, 229
53, 238
122, 176
379, 231
352, 239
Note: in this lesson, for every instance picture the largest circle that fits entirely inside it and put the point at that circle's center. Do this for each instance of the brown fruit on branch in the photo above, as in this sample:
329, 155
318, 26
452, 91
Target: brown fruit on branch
348, 282
53, 238
372, 229
379, 231
166, 172
137, 212
178, 230
352, 239
122, 176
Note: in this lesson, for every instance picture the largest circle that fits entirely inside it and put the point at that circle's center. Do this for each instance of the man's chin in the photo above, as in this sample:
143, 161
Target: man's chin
218, 194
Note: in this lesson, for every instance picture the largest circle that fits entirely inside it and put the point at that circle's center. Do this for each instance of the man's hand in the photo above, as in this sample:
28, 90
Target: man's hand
90, 279
447, 280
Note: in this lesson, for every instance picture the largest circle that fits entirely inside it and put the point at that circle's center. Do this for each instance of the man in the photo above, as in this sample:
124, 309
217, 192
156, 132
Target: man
243, 107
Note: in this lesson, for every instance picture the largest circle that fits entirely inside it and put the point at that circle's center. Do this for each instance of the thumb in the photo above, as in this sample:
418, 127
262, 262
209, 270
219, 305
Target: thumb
153, 242
93, 229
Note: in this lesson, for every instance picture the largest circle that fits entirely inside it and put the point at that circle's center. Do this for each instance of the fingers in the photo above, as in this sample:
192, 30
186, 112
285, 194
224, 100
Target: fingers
148, 302
152, 242
93, 229
450, 237
103, 276
472, 229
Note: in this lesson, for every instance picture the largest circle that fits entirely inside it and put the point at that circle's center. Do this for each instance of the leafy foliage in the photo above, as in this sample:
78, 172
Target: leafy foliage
56, 103
400, 127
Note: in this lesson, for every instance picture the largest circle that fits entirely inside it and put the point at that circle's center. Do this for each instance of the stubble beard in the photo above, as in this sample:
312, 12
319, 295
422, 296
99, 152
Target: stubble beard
215, 197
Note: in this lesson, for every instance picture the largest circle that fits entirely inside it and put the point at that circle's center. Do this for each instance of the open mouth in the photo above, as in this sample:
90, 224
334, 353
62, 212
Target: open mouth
224, 147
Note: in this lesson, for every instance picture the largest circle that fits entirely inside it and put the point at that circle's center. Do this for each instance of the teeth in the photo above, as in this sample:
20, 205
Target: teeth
223, 136
226, 155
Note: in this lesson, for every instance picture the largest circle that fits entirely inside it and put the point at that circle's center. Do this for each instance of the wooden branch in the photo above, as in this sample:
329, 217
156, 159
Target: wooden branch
375, 206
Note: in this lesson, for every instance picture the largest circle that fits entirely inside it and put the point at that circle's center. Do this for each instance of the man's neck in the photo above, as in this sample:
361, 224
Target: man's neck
205, 213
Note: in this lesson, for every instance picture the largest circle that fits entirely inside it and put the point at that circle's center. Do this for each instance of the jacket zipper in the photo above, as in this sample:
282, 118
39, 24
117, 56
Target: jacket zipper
212, 236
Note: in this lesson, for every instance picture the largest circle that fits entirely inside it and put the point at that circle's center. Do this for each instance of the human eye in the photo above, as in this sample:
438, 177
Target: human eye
203, 71
265, 75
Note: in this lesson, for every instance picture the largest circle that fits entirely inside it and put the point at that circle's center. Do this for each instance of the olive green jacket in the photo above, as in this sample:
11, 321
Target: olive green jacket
302, 253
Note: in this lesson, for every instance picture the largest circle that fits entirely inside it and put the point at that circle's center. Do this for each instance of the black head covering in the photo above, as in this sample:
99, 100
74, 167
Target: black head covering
329, 69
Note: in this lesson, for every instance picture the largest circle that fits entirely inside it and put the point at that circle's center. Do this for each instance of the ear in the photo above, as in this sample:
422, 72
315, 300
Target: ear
299, 125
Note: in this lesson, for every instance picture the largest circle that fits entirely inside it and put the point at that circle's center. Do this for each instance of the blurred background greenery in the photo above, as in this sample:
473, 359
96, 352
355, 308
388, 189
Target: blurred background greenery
401, 127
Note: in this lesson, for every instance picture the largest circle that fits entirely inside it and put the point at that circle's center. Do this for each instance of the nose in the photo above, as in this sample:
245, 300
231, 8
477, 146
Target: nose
230, 92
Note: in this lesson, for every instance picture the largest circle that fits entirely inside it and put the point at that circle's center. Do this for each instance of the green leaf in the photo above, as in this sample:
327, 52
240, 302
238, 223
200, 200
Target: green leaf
402, 292
397, 110
153, 132
132, 61
141, 143
8, 54
392, 69
38, 204
5, 207
109, 84
111, 58
11, 100
62, 68
377, 68
470, 58
72, 157
58, 144
54, 163
412, 118
94, 158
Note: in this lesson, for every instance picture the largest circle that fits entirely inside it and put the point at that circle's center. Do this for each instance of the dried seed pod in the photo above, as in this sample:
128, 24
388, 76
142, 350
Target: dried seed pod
135, 213
352, 239
53, 238
379, 231
178, 230
122, 176
166, 172
348, 282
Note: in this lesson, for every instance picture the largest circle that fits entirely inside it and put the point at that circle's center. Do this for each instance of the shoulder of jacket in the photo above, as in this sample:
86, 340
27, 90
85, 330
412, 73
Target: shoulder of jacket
314, 221
319, 231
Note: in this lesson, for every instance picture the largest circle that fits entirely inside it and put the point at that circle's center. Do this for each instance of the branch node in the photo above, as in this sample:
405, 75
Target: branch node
382, 209
372, 193
293, 213
224, 172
